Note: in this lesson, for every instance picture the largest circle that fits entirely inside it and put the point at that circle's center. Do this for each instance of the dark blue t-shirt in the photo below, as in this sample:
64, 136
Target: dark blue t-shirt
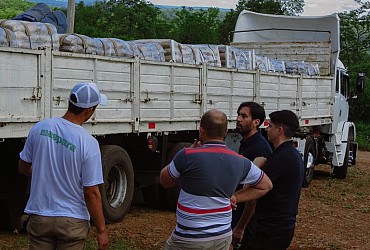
277, 210
254, 146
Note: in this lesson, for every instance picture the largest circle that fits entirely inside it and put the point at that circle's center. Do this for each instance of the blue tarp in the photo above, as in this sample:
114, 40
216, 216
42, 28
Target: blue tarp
42, 13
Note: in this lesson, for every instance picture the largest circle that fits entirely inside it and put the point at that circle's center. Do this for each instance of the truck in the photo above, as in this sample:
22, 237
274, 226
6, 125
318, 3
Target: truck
154, 108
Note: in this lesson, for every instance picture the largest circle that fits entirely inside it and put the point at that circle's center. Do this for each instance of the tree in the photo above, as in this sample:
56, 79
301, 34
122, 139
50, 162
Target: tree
355, 53
11, 8
125, 19
196, 26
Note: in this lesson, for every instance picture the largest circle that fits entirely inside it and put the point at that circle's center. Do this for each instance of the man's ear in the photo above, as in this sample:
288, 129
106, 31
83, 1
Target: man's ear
256, 122
201, 130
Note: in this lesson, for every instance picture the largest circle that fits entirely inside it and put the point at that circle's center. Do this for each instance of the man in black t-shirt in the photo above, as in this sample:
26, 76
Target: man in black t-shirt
272, 226
250, 117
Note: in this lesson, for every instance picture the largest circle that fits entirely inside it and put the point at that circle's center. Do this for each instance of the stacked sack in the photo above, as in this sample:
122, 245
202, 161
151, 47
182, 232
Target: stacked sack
7, 38
232, 57
33, 35
111, 47
206, 53
263, 63
294, 67
171, 48
279, 65
149, 51
118, 47
79, 44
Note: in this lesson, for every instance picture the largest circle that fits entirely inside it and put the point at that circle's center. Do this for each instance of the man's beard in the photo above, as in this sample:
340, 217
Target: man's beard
243, 130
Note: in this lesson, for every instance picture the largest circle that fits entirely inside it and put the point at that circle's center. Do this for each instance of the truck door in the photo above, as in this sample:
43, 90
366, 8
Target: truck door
20, 88
341, 107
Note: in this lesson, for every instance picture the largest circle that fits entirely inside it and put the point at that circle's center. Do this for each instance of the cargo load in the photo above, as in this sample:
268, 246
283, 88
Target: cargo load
7, 38
33, 35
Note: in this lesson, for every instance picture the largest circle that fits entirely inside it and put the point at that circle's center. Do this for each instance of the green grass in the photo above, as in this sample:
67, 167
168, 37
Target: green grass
114, 243
363, 135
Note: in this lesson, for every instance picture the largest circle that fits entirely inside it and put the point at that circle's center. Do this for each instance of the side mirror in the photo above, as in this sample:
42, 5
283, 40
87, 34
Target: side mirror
360, 82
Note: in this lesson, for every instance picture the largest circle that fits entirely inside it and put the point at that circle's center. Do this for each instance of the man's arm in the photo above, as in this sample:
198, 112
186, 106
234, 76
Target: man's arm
249, 193
94, 205
166, 179
243, 221
25, 167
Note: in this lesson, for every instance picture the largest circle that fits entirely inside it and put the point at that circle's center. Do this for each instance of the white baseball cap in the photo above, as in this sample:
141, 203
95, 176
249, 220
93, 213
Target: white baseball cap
87, 95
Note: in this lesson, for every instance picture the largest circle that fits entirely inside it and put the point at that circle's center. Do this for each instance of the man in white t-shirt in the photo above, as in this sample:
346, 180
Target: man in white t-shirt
65, 164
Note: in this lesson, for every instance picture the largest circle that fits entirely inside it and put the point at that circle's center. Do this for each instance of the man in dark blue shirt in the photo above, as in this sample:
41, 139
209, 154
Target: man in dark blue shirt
272, 226
251, 115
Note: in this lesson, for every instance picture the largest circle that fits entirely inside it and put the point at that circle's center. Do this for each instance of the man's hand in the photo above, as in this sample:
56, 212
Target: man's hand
196, 144
259, 161
237, 237
102, 238
233, 201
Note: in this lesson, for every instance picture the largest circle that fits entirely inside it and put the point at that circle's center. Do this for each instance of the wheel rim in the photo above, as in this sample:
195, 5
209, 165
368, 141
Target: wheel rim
116, 186
309, 160
309, 164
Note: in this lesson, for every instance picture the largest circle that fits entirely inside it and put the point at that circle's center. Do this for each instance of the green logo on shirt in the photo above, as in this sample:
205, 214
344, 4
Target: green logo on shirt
58, 139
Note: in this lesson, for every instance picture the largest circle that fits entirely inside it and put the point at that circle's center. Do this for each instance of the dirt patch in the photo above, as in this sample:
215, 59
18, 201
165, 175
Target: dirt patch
333, 214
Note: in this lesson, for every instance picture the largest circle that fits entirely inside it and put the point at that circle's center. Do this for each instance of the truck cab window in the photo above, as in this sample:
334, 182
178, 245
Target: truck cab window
342, 83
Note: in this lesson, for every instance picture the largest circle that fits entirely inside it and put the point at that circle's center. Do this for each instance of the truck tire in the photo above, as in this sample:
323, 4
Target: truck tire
171, 195
118, 188
340, 172
308, 161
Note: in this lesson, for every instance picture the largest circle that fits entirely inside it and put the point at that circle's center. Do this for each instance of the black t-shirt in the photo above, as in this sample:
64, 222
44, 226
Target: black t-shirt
277, 209
254, 146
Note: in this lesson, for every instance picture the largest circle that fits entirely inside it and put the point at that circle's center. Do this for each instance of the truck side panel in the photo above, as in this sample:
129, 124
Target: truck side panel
148, 96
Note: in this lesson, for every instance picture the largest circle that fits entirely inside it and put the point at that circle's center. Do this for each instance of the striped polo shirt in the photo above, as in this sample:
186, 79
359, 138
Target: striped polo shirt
208, 177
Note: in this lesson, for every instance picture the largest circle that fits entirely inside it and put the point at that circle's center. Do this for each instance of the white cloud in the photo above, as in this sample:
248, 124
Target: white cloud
227, 4
312, 7
326, 7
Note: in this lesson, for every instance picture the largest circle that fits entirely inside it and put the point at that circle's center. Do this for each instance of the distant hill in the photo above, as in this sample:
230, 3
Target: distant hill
64, 4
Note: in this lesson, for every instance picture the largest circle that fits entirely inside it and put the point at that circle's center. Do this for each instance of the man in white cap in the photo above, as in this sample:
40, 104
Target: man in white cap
65, 164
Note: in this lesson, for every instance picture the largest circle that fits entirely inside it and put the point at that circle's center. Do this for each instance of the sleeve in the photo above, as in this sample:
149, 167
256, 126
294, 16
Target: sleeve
254, 176
26, 153
178, 164
92, 170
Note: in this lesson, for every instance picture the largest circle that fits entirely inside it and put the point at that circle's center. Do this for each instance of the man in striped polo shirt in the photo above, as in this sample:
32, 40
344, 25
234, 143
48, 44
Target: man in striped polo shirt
208, 174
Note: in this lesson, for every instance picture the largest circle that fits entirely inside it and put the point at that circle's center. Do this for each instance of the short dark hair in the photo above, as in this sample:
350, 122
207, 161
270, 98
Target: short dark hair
287, 119
257, 111
73, 108
214, 123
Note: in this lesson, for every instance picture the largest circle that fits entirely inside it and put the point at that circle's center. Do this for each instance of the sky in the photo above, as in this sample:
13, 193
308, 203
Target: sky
312, 7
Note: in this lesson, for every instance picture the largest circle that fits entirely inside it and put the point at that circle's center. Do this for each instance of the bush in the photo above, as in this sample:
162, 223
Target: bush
363, 135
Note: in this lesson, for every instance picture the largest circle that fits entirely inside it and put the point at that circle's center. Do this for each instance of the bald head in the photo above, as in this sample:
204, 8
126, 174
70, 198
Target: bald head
214, 123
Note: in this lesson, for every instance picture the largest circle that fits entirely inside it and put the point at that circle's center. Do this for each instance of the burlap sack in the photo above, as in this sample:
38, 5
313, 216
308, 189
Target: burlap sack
33, 35
79, 44
7, 38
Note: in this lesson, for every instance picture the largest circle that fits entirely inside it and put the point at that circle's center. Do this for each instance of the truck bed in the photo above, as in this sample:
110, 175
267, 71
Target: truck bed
146, 96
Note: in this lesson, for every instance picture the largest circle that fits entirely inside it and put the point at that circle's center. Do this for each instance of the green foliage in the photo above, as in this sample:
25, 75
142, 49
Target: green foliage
355, 53
196, 26
363, 135
125, 19
11, 8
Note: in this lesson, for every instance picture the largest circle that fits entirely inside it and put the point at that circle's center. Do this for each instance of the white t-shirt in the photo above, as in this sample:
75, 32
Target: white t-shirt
65, 158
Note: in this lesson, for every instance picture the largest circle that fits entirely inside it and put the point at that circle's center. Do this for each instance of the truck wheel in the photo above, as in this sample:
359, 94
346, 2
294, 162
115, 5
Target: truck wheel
340, 172
118, 188
308, 161
171, 195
